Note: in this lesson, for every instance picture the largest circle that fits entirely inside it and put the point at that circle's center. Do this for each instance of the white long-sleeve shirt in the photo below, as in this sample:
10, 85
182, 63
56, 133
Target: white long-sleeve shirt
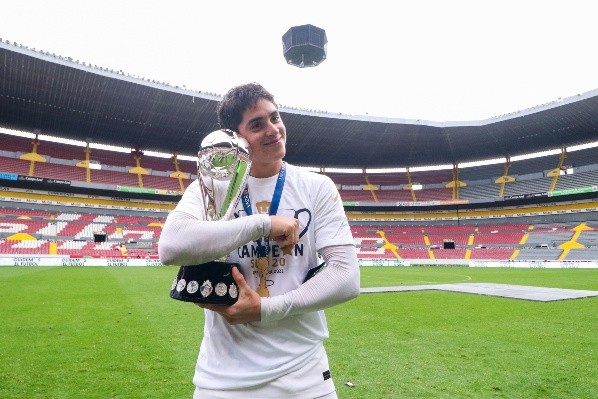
293, 325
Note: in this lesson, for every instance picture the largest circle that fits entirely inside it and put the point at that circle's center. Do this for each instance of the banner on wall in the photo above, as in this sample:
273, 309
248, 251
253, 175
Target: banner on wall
53, 260
49, 260
76, 203
529, 264
526, 196
55, 182
570, 191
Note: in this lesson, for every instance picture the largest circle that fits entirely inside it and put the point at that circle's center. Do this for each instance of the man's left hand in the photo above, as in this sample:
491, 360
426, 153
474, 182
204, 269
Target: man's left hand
247, 308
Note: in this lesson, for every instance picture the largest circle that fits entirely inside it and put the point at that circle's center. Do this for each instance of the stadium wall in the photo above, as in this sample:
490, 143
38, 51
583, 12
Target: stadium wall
54, 261
539, 264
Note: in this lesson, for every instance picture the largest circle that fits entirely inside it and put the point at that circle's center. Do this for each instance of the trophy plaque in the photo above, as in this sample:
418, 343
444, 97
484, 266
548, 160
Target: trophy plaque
222, 161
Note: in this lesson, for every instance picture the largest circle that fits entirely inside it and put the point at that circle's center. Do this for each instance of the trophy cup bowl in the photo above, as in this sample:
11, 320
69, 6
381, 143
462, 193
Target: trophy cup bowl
223, 168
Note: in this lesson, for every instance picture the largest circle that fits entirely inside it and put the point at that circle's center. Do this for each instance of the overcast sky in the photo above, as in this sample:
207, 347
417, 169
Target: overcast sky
428, 60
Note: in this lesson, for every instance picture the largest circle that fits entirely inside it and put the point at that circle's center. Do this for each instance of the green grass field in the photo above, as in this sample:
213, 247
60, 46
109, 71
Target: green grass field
105, 332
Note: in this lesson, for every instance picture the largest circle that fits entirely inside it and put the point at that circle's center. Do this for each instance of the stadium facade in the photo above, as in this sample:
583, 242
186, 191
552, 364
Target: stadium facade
47, 94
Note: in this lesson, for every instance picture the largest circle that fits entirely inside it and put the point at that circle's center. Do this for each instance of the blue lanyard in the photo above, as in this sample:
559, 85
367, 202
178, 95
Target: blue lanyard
264, 249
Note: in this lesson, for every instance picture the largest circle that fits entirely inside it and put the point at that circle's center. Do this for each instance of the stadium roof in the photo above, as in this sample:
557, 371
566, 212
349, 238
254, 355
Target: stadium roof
53, 95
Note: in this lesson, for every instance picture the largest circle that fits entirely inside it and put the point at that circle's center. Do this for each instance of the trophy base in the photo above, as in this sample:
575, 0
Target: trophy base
210, 282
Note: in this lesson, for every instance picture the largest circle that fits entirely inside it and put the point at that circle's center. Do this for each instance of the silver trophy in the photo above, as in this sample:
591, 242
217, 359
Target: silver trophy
223, 167
223, 156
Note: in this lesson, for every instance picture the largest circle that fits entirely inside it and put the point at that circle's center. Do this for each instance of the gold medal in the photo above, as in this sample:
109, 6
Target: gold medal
263, 264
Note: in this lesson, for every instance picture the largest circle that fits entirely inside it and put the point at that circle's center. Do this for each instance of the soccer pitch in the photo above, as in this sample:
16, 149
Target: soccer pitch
108, 332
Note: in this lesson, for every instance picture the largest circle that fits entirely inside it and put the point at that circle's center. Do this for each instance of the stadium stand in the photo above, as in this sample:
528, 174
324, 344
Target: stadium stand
384, 195
63, 161
357, 195
15, 143
492, 253
161, 182
485, 173
540, 164
570, 240
433, 194
49, 149
72, 233
11, 165
480, 182
431, 177
106, 157
57, 171
62, 231
387, 179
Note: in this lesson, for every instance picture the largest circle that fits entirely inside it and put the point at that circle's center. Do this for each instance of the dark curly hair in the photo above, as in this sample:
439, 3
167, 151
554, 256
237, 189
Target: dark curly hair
238, 100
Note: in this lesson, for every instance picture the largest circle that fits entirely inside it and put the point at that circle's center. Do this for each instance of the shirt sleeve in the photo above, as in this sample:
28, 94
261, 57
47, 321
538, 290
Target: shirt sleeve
338, 282
331, 224
188, 238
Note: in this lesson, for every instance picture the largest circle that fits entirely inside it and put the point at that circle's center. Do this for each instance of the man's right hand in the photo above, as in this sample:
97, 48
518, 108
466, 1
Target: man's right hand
284, 230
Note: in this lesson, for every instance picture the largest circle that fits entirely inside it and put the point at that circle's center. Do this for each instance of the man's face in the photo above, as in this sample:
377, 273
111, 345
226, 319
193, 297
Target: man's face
263, 129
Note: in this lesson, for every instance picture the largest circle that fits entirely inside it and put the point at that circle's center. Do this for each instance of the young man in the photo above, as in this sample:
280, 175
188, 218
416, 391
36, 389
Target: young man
269, 344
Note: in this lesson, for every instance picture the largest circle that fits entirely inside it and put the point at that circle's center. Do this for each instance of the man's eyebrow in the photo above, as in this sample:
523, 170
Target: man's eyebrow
257, 118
